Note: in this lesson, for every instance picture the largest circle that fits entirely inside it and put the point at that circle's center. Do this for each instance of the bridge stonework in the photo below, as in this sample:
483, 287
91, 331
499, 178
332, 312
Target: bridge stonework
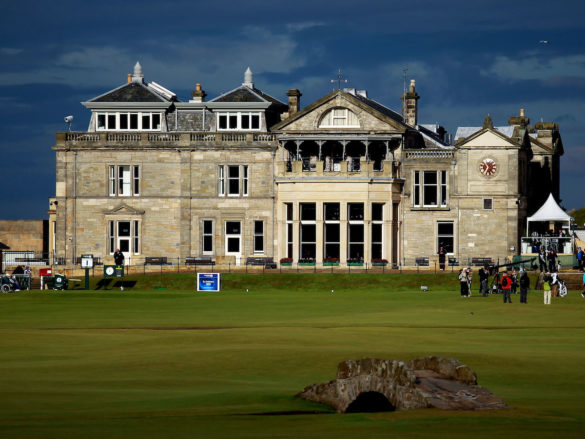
420, 383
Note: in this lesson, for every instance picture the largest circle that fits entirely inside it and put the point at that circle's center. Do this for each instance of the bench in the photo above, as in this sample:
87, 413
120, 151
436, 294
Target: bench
422, 262
197, 260
156, 260
453, 262
481, 262
262, 261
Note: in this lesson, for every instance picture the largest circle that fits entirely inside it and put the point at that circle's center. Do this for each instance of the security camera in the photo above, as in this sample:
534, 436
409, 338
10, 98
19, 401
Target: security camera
68, 119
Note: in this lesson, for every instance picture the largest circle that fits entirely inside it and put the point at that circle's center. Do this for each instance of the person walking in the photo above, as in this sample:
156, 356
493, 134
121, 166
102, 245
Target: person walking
524, 285
118, 257
506, 284
463, 282
547, 289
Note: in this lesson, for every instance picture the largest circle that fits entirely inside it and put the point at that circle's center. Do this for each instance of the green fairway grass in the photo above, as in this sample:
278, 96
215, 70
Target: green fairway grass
176, 363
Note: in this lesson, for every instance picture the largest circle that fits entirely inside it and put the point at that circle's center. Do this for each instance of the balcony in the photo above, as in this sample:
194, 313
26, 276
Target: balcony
174, 139
560, 244
335, 167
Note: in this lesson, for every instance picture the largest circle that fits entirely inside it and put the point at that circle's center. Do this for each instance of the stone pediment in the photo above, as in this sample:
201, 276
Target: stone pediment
370, 115
124, 209
487, 138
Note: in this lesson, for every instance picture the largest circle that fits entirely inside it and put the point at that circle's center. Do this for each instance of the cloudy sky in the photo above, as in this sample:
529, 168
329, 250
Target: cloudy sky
469, 58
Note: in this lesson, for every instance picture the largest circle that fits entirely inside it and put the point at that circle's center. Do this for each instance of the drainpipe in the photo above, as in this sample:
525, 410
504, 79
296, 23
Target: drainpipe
74, 206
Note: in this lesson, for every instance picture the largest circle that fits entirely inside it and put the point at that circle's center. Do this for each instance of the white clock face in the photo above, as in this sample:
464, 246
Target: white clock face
109, 271
488, 167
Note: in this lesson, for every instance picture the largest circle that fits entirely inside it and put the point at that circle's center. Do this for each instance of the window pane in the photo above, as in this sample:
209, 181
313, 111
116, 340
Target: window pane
207, 227
356, 211
101, 121
233, 120
233, 187
156, 121
430, 195
445, 228
332, 251
133, 121
207, 243
376, 251
234, 172
289, 211
123, 121
124, 228
245, 121
222, 122
376, 232
331, 232
308, 251
233, 245
111, 121
308, 211
124, 180
255, 122
430, 177
258, 243
258, 227
232, 227
377, 211
331, 211
308, 233
145, 122
356, 233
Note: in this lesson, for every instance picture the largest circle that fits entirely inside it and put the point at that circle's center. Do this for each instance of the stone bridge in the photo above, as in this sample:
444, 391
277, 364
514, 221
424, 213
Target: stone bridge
372, 385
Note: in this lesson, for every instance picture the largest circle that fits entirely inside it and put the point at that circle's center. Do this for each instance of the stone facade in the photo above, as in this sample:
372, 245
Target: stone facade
344, 179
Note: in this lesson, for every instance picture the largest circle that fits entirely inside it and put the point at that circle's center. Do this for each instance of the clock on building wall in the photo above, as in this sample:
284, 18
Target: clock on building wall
488, 167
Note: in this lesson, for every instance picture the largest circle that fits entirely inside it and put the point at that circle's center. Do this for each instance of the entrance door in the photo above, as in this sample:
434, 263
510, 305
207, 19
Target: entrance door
233, 239
124, 238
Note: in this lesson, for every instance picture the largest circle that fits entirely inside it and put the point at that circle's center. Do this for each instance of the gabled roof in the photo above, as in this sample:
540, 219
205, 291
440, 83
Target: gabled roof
372, 107
124, 209
550, 211
463, 132
131, 92
491, 133
244, 94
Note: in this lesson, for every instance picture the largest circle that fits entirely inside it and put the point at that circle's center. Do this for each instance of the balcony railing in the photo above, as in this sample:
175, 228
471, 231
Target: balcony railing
424, 154
176, 139
560, 244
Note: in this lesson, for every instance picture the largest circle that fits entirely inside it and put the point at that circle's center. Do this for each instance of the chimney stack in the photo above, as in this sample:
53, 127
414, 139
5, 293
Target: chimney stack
294, 101
410, 99
129, 79
521, 120
198, 94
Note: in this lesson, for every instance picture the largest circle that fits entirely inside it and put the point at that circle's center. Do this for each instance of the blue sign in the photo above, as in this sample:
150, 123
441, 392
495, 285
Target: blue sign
208, 282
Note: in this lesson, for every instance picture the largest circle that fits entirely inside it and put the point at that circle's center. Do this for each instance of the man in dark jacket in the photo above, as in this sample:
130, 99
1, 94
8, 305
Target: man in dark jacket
524, 285
506, 285
118, 257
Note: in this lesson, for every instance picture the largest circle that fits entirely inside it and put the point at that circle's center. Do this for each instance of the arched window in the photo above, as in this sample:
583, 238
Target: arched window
339, 118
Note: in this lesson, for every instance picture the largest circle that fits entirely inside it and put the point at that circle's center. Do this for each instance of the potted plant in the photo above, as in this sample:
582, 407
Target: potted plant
331, 262
306, 261
286, 261
379, 262
355, 261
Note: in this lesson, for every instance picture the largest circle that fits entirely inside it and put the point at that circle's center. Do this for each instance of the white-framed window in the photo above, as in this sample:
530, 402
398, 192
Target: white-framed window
289, 230
377, 230
488, 204
308, 230
221, 180
339, 117
331, 230
207, 237
245, 180
445, 236
126, 121
233, 238
258, 237
355, 230
234, 179
123, 180
125, 235
429, 189
238, 121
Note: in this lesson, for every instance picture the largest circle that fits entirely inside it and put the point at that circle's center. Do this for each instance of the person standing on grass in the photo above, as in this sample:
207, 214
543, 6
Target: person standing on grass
463, 282
506, 284
483, 282
542, 260
580, 258
524, 285
583, 293
547, 288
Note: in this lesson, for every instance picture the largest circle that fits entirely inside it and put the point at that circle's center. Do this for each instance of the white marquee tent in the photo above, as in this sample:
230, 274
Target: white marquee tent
550, 211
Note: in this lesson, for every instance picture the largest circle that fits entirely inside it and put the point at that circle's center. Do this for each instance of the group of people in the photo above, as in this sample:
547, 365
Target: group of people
509, 283
12, 281
547, 260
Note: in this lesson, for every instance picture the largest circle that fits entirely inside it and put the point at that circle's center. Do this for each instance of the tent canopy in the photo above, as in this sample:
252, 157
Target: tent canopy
550, 211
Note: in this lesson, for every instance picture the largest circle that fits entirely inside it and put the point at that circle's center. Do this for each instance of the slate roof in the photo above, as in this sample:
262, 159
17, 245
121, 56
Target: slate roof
464, 132
131, 92
377, 106
246, 94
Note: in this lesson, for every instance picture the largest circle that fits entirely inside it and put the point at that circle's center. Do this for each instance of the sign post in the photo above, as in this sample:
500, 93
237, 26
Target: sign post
87, 263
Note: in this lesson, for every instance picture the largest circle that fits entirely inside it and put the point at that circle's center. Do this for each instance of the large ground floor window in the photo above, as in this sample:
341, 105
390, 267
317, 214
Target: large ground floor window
445, 235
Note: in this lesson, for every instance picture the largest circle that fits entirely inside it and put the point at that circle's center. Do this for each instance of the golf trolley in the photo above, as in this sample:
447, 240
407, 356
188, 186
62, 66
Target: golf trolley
7, 284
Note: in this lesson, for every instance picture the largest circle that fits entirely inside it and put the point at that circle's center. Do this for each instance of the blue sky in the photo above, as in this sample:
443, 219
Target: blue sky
469, 59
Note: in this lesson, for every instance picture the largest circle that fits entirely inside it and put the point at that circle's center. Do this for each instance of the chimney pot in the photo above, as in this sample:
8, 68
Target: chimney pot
129, 79
521, 112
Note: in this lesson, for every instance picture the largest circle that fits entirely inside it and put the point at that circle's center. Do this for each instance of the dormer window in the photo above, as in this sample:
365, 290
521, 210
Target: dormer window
140, 121
238, 121
339, 117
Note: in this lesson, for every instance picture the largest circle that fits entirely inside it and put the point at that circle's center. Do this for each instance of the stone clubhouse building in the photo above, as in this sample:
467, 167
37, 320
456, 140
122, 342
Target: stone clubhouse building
246, 175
